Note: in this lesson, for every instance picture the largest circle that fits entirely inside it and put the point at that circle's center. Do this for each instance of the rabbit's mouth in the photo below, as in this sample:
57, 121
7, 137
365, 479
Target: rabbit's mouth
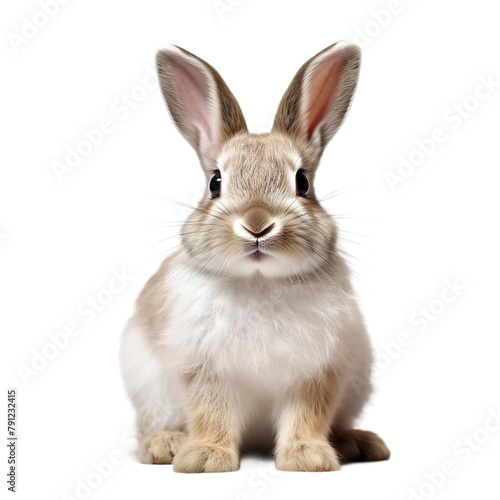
257, 255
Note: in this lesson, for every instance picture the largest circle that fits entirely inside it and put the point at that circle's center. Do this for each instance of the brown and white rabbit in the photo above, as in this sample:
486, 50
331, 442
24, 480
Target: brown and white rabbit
250, 335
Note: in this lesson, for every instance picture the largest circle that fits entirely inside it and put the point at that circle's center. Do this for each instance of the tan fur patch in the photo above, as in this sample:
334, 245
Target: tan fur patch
204, 458
302, 438
213, 444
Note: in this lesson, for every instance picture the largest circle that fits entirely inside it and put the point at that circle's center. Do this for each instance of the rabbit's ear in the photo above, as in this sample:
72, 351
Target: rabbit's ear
317, 100
203, 108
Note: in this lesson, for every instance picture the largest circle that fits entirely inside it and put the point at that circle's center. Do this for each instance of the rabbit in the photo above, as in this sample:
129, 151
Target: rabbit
249, 336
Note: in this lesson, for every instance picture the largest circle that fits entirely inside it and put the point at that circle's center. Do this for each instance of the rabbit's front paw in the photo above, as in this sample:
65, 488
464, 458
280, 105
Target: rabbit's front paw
206, 458
307, 456
160, 447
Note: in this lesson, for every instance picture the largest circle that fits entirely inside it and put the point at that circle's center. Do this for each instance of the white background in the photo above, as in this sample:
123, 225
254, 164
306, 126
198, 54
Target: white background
61, 239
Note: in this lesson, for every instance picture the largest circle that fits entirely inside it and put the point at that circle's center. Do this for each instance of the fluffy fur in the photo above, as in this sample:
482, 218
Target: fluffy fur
250, 335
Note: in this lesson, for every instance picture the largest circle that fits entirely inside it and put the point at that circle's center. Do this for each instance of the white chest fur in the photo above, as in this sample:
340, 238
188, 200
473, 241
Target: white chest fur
276, 331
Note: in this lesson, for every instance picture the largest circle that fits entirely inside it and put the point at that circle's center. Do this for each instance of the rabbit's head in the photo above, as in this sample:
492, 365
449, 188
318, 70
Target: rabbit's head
260, 213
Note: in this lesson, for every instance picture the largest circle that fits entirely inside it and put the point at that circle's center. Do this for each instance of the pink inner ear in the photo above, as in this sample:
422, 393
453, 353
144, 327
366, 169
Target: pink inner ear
323, 84
193, 93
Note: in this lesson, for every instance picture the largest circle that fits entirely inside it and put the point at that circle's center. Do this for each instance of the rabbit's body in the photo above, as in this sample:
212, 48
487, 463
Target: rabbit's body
259, 338
250, 335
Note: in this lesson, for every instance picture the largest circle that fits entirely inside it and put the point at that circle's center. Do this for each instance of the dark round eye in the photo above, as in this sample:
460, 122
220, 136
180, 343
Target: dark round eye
302, 183
215, 184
